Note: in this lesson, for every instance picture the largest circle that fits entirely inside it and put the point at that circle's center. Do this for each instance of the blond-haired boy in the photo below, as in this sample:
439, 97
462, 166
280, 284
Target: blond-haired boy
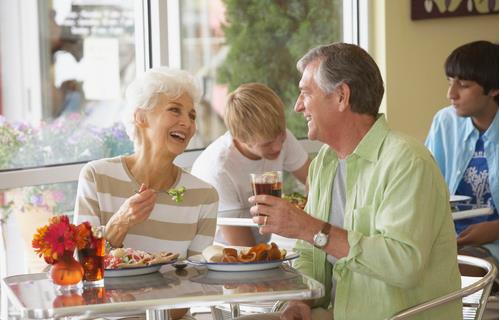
257, 141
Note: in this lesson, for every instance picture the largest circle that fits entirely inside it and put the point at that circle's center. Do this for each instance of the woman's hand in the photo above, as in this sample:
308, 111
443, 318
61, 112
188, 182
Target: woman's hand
133, 211
138, 207
478, 234
296, 310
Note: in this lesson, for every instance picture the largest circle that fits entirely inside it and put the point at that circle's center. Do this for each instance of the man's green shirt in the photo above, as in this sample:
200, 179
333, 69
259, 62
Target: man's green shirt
400, 230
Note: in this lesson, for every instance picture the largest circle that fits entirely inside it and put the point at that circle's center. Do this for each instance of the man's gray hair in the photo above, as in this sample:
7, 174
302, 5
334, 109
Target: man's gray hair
349, 64
144, 92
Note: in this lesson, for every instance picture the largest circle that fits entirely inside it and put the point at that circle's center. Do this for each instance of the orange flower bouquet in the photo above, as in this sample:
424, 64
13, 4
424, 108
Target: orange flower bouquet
56, 243
59, 236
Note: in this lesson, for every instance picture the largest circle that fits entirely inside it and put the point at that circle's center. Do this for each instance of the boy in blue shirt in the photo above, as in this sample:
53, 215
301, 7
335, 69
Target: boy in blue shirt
464, 141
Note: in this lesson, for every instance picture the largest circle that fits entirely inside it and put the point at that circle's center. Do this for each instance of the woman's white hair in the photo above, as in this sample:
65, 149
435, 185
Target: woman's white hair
143, 93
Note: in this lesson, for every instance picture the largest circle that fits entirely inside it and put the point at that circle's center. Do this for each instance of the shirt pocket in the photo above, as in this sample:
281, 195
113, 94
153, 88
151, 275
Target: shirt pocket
363, 218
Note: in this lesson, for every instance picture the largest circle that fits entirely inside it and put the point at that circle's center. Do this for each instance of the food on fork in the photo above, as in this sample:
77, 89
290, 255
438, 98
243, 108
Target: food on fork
130, 258
257, 253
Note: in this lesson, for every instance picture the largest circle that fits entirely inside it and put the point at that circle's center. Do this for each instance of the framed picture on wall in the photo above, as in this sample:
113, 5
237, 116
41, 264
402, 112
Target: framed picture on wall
429, 9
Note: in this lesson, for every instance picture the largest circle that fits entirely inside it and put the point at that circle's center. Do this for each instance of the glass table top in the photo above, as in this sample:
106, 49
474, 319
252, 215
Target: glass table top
35, 296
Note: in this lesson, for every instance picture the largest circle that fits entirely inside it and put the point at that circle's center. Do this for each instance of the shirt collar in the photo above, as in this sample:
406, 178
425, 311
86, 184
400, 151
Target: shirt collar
491, 134
368, 148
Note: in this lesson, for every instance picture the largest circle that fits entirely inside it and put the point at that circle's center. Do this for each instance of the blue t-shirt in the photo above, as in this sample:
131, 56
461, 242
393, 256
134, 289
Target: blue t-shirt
474, 184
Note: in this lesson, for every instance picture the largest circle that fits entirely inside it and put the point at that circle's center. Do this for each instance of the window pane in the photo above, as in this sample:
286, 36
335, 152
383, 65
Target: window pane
67, 139
26, 209
227, 43
87, 58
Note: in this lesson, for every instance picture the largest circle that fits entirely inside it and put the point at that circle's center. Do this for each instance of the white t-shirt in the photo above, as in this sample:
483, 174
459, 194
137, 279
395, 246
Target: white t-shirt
223, 166
337, 210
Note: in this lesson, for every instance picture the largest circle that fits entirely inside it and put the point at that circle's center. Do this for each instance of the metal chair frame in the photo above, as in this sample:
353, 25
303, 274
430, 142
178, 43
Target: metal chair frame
484, 283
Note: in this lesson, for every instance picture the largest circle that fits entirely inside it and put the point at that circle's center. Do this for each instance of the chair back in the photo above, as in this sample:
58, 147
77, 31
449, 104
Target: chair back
483, 283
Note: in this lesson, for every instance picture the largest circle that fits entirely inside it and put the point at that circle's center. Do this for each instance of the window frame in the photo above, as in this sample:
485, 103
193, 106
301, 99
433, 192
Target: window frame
20, 47
157, 43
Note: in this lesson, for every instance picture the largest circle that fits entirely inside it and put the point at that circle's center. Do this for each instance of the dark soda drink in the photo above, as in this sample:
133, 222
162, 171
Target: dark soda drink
267, 183
273, 189
92, 261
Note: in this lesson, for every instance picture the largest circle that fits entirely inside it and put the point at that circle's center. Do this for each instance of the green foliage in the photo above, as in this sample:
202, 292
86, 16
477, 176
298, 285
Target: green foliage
11, 139
5, 211
267, 37
67, 139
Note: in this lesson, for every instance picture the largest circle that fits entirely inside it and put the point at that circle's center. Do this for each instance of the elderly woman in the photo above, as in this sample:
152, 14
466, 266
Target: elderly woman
128, 194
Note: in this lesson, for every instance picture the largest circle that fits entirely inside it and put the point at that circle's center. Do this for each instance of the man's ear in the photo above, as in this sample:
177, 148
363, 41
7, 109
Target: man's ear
140, 118
343, 95
493, 93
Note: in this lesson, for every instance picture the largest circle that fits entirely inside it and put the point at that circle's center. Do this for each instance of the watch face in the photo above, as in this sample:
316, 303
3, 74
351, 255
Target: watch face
320, 239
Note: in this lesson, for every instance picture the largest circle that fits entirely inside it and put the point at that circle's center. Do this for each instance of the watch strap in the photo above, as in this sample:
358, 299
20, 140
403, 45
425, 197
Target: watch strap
326, 228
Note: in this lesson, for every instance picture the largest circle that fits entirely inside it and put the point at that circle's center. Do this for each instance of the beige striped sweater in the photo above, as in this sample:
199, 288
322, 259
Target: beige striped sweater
185, 228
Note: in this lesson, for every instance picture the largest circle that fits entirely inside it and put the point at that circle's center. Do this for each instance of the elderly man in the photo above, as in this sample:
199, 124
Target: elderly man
377, 230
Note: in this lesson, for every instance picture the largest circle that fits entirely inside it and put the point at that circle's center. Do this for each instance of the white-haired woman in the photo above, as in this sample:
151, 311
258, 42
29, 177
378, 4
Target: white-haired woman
128, 194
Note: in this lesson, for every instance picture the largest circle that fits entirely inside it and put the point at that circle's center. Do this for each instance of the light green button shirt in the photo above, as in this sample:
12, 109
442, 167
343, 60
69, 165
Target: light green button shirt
400, 230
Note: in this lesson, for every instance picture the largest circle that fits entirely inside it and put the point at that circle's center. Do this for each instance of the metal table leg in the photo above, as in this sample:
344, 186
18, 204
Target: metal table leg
157, 315
216, 313
235, 310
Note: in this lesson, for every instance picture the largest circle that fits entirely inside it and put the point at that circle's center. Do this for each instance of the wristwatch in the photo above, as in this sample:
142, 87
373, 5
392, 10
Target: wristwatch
320, 239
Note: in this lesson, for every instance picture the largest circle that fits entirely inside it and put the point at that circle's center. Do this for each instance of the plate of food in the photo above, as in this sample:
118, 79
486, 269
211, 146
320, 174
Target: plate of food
296, 199
123, 262
263, 256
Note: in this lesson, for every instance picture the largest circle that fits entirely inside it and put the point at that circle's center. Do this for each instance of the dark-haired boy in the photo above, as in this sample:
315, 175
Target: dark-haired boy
464, 140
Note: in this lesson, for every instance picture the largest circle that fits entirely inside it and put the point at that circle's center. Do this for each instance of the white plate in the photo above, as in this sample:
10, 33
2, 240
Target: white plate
125, 272
240, 266
242, 222
464, 211
458, 198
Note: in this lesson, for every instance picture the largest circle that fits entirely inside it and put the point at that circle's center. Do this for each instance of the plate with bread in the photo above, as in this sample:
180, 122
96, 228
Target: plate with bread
262, 256
123, 262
